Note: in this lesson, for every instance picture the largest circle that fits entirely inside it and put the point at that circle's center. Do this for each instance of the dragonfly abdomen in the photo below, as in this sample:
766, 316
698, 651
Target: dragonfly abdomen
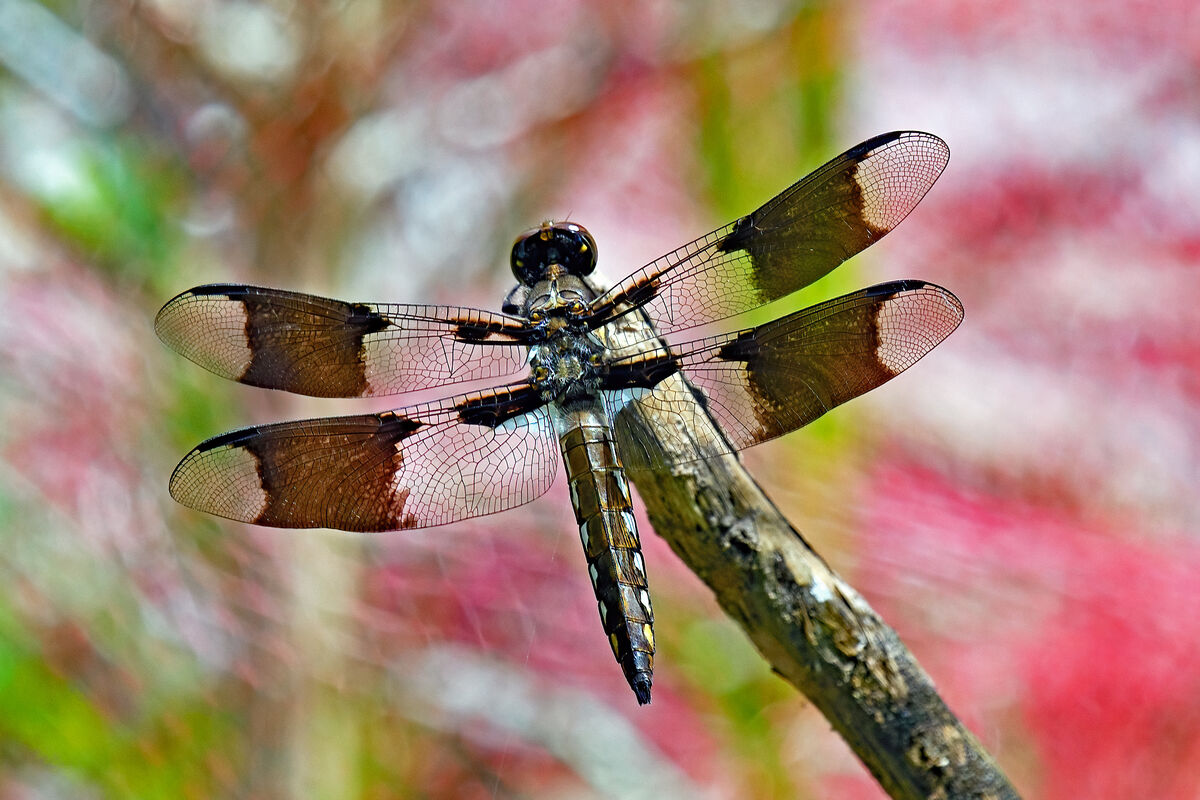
604, 512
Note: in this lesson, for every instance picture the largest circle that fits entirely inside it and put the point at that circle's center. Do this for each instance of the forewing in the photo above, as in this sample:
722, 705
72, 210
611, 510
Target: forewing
770, 380
413, 467
796, 238
322, 347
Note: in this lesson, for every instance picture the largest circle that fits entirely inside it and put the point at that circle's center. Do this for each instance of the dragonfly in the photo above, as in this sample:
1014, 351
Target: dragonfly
486, 451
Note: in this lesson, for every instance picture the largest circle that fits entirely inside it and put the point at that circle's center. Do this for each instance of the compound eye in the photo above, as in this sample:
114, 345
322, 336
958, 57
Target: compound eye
554, 244
528, 256
583, 257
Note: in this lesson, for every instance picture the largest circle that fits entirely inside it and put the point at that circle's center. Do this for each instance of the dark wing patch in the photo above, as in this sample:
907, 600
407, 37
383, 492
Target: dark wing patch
794, 239
322, 347
767, 381
643, 371
496, 407
413, 467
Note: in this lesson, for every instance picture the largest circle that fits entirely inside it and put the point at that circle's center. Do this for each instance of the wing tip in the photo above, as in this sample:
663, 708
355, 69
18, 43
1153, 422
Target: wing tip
914, 285
875, 142
229, 290
225, 484
938, 310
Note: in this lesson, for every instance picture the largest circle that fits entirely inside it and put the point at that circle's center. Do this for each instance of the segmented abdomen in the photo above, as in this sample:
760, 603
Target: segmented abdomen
604, 511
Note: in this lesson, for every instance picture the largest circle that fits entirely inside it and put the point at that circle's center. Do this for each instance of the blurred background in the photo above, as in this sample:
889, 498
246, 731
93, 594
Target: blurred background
1021, 505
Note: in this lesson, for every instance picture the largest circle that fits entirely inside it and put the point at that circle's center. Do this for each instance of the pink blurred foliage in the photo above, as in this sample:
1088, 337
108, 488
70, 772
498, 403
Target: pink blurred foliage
1128, 29
71, 352
1112, 265
465, 41
1079, 628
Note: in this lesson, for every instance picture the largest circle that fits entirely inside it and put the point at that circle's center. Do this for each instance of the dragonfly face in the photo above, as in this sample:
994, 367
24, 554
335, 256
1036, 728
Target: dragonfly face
484, 452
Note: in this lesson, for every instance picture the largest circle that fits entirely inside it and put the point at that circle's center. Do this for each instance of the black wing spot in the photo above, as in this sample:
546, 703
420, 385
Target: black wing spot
743, 229
471, 333
644, 373
643, 293
863, 149
395, 427
231, 439
364, 320
891, 288
233, 291
493, 410
744, 348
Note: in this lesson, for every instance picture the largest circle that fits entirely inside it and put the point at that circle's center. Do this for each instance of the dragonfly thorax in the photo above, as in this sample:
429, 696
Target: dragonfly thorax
567, 365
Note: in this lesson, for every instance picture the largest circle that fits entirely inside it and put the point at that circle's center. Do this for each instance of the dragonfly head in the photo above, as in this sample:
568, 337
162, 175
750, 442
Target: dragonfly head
564, 245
